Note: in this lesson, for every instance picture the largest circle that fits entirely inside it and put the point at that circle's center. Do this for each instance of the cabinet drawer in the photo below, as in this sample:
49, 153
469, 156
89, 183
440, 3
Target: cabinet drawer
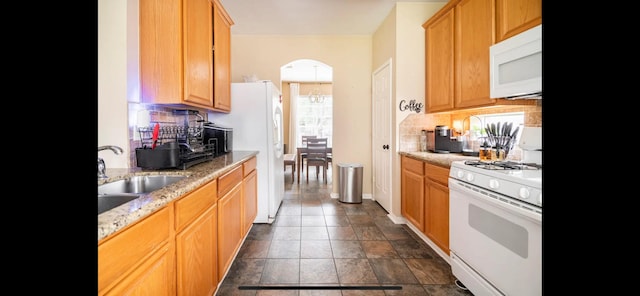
249, 165
413, 165
125, 250
229, 180
437, 173
196, 202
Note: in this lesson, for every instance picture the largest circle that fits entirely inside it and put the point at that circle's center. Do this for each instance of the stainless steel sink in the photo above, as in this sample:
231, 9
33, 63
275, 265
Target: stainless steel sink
139, 184
109, 201
113, 194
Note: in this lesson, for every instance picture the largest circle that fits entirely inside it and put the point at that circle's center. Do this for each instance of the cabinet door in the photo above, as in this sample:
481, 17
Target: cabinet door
160, 51
437, 214
221, 58
412, 195
440, 80
516, 16
198, 60
120, 254
229, 228
156, 276
474, 35
196, 246
250, 200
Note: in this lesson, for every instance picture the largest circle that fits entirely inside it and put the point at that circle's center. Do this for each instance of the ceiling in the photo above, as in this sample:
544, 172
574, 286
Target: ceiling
308, 17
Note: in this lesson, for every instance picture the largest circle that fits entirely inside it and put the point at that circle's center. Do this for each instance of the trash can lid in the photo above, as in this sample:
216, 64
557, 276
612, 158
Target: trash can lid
349, 165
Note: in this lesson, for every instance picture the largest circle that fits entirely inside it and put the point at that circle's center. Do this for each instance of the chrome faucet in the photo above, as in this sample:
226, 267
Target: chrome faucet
101, 166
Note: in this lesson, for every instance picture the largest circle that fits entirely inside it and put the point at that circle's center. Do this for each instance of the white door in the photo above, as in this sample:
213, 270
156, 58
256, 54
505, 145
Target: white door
382, 135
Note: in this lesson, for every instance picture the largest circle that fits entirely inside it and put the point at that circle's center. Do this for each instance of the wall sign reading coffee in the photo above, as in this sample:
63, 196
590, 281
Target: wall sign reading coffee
412, 106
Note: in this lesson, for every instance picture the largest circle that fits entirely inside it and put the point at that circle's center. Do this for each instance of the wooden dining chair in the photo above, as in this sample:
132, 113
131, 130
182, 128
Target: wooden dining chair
317, 140
317, 157
303, 156
323, 140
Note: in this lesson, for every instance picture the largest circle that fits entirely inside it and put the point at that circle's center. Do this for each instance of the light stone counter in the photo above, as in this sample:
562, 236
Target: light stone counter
439, 159
119, 217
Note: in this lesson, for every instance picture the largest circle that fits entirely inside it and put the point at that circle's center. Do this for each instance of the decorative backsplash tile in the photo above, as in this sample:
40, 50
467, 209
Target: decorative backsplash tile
157, 113
409, 130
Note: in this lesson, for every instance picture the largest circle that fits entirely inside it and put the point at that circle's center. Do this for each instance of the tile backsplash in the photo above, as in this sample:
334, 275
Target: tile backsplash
157, 113
410, 127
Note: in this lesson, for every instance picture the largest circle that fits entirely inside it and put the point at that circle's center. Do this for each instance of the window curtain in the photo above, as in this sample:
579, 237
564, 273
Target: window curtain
294, 91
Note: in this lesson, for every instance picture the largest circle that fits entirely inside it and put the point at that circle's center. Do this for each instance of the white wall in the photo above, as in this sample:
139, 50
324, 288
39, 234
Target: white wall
350, 58
117, 75
401, 38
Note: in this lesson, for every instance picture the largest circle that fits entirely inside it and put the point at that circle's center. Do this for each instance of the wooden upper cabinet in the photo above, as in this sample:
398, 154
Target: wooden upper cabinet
221, 58
516, 16
178, 65
474, 36
161, 51
440, 64
457, 70
198, 60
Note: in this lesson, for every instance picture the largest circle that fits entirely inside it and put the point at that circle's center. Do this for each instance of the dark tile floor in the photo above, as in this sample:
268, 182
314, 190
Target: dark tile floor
318, 241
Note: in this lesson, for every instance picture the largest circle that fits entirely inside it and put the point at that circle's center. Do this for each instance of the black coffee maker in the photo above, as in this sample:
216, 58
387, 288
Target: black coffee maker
440, 140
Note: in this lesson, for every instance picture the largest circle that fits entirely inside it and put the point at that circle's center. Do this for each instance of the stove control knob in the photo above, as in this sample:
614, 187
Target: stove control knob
494, 184
470, 177
524, 193
460, 174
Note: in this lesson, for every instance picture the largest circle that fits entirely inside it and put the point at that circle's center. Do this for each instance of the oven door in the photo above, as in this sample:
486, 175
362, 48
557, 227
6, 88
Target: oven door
494, 245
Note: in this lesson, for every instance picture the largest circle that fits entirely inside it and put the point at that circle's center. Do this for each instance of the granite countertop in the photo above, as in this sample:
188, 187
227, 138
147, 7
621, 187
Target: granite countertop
119, 217
439, 159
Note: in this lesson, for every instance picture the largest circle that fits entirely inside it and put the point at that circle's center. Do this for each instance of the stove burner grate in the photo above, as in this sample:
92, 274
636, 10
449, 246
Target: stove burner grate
503, 165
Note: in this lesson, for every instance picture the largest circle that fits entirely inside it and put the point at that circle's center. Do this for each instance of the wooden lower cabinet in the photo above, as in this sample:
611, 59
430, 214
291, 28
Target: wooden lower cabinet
154, 277
197, 242
412, 187
186, 247
436, 206
425, 199
230, 232
139, 260
249, 194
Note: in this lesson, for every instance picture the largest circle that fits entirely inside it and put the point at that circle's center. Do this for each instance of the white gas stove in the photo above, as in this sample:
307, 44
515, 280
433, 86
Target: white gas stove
495, 214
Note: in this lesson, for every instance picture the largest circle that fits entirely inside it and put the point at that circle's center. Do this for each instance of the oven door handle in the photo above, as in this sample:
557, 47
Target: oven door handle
494, 199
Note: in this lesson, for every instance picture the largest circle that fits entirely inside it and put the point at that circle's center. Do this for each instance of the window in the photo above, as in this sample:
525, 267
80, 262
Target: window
315, 118
517, 118
478, 128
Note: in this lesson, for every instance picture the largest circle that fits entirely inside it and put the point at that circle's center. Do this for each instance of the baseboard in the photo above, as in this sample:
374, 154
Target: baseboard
396, 219
429, 242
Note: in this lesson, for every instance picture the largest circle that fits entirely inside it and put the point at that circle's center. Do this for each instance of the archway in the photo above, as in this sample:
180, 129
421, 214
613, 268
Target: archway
307, 101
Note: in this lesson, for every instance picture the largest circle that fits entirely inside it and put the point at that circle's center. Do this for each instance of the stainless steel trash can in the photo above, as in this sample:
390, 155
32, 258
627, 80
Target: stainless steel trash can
350, 182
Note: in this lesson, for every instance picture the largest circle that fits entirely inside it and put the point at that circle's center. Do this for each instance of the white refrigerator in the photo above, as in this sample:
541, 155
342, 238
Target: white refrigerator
256, 119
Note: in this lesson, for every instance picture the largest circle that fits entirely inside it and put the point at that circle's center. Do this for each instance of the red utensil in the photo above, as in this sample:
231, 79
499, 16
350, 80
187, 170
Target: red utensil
156, 131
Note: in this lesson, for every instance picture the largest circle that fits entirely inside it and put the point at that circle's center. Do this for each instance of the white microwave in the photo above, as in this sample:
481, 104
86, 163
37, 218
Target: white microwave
516, 66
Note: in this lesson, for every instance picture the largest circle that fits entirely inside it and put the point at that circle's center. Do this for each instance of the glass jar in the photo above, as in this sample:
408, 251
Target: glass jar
423, 141
485, 152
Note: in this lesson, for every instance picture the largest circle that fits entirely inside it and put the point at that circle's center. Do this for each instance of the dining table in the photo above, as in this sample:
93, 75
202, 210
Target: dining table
299, 159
